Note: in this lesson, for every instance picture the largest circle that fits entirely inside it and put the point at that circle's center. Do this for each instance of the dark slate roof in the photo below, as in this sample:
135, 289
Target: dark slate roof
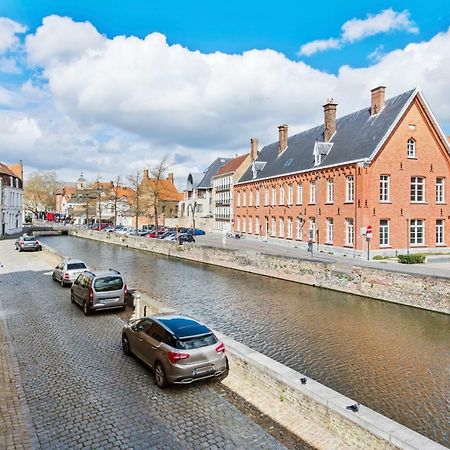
206, 182
357, 136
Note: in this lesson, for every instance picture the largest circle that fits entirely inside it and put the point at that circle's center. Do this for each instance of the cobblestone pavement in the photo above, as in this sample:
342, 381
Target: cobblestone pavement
80, 391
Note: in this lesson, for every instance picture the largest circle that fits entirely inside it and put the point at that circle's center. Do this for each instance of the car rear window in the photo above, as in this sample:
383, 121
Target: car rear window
29, 238
190, 343
111, 283
75, 266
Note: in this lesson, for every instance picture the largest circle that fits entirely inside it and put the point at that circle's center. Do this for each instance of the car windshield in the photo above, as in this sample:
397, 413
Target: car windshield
110, 283
76, 266
29, 238
190, 343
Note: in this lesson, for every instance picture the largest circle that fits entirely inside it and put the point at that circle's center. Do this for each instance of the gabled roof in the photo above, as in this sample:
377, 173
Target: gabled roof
5, 170
206, 181
358, 136
231, 166
167, 190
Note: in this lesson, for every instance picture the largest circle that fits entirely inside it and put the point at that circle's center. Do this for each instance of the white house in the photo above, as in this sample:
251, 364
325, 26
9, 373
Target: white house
11, 199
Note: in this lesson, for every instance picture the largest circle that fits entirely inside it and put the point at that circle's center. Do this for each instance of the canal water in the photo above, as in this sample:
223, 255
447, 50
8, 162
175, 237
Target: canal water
391, 358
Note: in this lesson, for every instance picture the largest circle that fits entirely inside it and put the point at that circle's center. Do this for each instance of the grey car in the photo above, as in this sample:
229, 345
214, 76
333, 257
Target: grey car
27, 243
99, 290
68, 270
178, 348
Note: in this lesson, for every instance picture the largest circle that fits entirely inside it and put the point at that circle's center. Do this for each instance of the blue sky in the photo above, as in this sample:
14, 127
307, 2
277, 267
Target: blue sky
363, 43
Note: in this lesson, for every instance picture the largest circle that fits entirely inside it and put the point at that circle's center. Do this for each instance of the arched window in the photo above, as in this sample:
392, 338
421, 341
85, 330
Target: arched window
411, 148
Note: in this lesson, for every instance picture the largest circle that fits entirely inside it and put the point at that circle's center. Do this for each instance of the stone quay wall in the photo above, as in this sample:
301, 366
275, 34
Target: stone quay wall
420, 291
312, 411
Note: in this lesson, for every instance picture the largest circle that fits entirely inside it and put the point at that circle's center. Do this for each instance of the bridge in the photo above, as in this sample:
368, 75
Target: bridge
45, 229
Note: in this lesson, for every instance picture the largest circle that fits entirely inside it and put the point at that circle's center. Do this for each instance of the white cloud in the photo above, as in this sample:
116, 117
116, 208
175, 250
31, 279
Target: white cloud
383, 22
8, 30
113, 105
356, 29
319, 45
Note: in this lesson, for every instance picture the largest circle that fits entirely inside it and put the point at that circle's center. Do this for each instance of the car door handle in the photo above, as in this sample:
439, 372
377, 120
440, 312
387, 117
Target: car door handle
153, 347
141, 340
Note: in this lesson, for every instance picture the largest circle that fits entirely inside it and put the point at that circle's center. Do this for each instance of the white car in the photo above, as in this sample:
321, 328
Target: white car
68, 270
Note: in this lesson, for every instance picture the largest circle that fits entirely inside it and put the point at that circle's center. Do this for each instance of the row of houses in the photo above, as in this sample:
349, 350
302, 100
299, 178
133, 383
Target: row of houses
373, 179
11, 198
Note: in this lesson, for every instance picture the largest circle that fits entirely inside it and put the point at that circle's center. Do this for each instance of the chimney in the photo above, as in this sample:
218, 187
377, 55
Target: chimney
282, 138
329, 121
170, 177
377, 102
145, 174
254, 148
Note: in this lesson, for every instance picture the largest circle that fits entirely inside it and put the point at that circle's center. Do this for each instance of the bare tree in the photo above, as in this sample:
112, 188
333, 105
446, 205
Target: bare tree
155, 187
40, 192
137, 198
115, 197
101, 191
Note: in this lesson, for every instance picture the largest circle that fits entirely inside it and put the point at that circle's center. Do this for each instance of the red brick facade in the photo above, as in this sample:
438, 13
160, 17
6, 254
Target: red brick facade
378, 192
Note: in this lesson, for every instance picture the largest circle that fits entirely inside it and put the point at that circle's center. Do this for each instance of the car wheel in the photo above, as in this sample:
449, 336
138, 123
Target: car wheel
19, 249
125, 346
86, 309
160, 376
225, 373
39, 249
62, 282
53, 276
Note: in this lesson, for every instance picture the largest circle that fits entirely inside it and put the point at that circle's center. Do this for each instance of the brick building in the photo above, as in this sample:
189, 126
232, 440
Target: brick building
385, 166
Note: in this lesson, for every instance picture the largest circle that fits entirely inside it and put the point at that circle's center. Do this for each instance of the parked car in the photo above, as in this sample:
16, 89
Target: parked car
68, 270
98, 290
170, 237
123, 230
185, 237
27, 243
178, 348
197, 231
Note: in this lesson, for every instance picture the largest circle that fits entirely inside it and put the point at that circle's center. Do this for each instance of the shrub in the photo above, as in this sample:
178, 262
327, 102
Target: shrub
415, 258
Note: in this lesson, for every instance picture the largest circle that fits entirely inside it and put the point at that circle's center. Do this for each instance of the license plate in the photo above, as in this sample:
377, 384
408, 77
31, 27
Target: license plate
109, 300
203, 370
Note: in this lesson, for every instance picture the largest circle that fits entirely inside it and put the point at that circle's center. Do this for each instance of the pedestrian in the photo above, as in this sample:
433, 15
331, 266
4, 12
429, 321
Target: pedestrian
310, 245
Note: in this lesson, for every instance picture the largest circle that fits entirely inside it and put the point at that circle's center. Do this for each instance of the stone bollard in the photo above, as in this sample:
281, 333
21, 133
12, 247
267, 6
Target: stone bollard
138, 306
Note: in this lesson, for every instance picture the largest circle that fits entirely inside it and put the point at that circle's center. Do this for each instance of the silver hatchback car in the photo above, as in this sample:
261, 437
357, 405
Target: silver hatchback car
100, 289
68, 270
179, 349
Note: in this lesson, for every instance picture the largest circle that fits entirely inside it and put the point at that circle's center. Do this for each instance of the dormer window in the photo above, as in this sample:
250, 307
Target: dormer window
411, 148
321, 150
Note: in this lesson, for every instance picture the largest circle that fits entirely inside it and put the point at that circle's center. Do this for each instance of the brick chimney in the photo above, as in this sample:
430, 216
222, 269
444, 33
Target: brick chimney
145, 174
254, 148
329, 120
282, 138
377, 102
170, 177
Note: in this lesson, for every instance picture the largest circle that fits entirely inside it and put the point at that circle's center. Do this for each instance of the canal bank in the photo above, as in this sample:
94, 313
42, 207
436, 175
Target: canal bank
310, 410
420, 291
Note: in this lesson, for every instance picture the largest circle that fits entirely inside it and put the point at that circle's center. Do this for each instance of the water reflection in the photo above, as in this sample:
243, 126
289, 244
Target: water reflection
391, 358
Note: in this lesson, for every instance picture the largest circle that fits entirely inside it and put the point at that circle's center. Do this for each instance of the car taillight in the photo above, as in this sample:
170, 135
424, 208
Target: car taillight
66, 276
125, 290
220, 348
91, 295
38, 243
173, 357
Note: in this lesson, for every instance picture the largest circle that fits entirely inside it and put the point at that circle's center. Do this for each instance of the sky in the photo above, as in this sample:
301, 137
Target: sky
109, 87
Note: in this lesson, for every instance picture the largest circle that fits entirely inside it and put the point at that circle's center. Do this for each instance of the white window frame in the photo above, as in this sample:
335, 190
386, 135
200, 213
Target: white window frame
416, 231
290, 228
238, 224
290, 194
257, 230
258, 197
312, 192
299, 193
330, 190
349, 232
267, 197
385, 188
440, 190
312, 227
411, 148
281, 193
299, 229
238, 200
250, 225
330, 230
244, 198
349, 189
281, 227
274, 196
250, 199
244, 224
417, 185
440, 232
273, 231
385, 233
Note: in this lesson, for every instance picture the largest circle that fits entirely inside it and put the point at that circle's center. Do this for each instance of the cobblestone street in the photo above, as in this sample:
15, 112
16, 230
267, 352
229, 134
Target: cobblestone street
80, 391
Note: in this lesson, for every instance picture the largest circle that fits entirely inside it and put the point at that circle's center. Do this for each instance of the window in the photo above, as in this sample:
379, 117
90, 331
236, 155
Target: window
250, 223
288, 162
238, 198
299, 229
290, 194
411, 148
330, 230
384, 188
250, 199
244, 220
384, 232
349, 232
440, 192
258, 197
267, 197
274, 227
312, 192
289, 230
299, 193
108, 283
416, 232
440, 231
281, 227
274, 196
238, 224
349, 188
330, 190
417, 189
312, 229
281, 189
244, 198
257, 230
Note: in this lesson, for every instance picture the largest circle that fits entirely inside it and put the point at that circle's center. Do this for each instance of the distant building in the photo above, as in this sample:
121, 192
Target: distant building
385, 167
11, 199
223, 183
197, 206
